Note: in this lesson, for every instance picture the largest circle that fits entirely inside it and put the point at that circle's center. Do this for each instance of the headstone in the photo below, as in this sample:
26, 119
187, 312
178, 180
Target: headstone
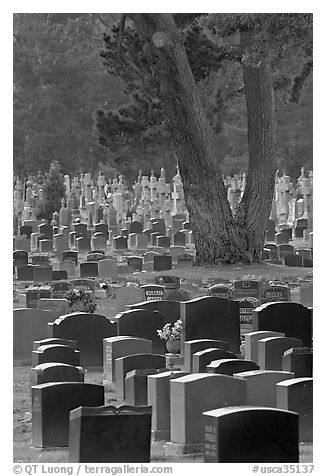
20, 258
42, 274
178, 295
211, 318
275, 294
298, 261
142, 323
246, 288
95, 435
99, 242
299, 361
136, 386
88, 330
159, 399
89, 269
293, 319
202, 358
169, 309
70, 268
120, 243
121, 346
55, 353
51, 404
70, 255
193, 394
70, 343
281, 238
128, 295
29, 325
135, 227
231, 366
60, 289
46, 246
46, 230
271, 350
23, 244
58, 275
107, 268
261, 386
251, 342
83, 243
162, 262
185, 261
193, 346
229, 437
285, 250
56, 372
179, 239
25, 272
25, 230
94, 256
163, 241
169, 282
32, 296
83, 283
246, 306
136, 262
221, 291
59, 305
296, 395
176, 252
123, 365
153, 292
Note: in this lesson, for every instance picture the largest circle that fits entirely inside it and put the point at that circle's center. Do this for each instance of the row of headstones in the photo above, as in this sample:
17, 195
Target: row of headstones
300, 230
205, 317
288, 255
183, 424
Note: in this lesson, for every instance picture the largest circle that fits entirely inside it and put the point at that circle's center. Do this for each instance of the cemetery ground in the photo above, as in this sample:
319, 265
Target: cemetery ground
22, 449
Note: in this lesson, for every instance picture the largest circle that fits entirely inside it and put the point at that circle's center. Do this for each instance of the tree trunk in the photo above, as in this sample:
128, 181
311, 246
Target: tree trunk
216, 234
257, 199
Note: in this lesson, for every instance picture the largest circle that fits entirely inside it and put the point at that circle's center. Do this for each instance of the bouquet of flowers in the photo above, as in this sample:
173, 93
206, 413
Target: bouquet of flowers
171, 332
81, 300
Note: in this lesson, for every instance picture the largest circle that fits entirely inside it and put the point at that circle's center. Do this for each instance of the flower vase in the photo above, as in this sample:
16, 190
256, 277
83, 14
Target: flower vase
173, 346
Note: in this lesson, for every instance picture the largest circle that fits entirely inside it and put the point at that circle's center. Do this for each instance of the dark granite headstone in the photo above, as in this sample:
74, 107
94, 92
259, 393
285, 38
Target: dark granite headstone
179, 239
202, 358
231, 366
271, 350
296, 395
295, 320
60, 289
136, 262
298, 261
123, 365
20, 258
163, 241
246, 288
246, 306
299, 361
135, 227
70, 255
94, 257
59, 275
221, 291
25, 230
51, 404
285, 250
275, 294
42, 274
272, 250
51, 341
251, 435
136, 386
162, 262
55, 353
169, 309
25, 272
120, 243
89, 269
169, 282
110, 435
211, 318
85, 284
142, 323
88, 330
193, 346
56, 372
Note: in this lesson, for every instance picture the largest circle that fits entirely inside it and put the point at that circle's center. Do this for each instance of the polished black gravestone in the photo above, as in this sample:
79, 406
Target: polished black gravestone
51, 404
51, 341
221, 291
55, 353
299, 361
56, 372
169, 309
142, 323
123, 365
153, 292
88, 330
293, 319
110, 434
231, 366
196, 345
211, 318
136, 386
201, 359
251, 435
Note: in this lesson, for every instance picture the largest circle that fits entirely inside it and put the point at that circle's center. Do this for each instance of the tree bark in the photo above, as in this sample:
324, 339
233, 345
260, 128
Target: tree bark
257, 199
216, 234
